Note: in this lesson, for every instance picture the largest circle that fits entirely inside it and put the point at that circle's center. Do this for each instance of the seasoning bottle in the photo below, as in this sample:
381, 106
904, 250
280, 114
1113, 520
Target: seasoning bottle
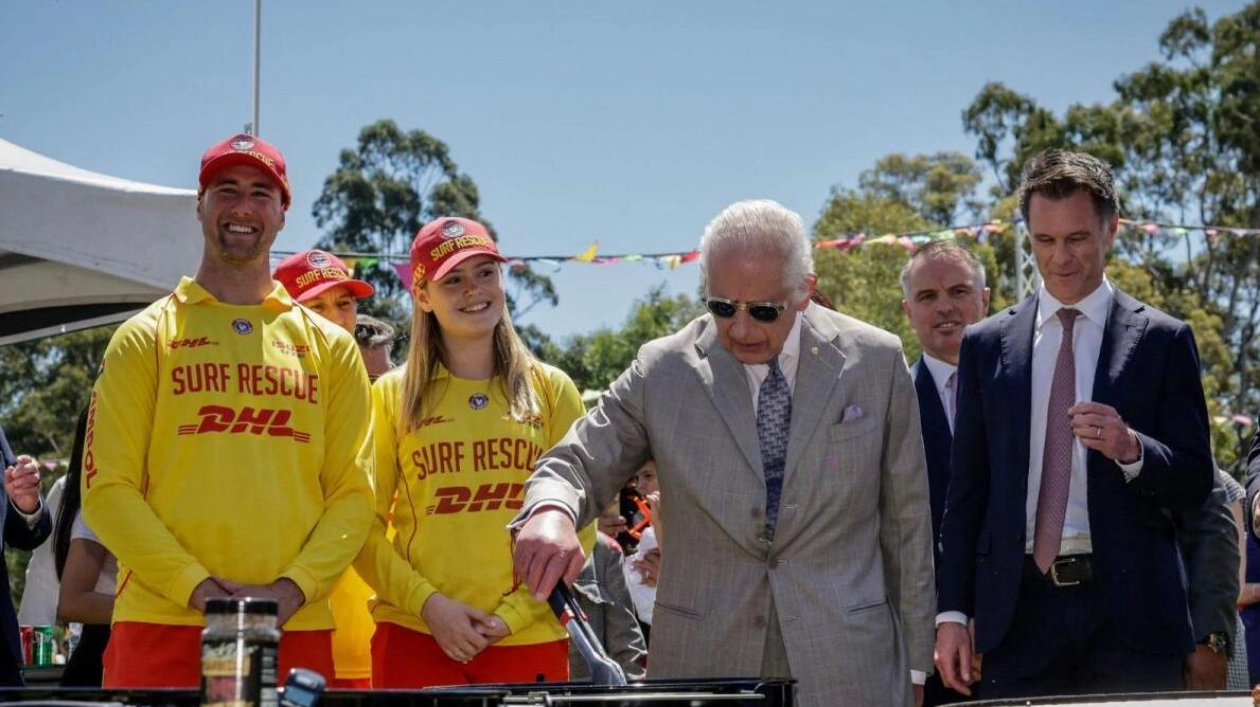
238, 653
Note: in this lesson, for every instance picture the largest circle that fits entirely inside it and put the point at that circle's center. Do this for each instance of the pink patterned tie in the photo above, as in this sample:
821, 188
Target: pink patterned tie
1056, 461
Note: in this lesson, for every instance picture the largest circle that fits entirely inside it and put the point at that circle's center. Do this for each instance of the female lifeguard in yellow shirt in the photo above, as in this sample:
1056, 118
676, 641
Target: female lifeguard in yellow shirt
456, 432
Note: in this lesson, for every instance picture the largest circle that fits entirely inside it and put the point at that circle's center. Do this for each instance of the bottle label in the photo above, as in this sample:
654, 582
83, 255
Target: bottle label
238, 673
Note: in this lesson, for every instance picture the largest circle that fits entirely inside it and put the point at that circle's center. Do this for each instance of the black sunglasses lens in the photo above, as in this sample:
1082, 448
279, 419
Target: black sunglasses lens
764, 312
725, 310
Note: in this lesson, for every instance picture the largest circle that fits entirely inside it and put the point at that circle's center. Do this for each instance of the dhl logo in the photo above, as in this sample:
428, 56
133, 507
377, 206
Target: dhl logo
192, 343
216, 418
488, 497
298, 350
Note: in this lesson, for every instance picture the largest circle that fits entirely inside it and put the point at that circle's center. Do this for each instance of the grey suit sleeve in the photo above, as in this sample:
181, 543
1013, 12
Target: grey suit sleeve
623, 639
906, 521
586, 469
1208, 540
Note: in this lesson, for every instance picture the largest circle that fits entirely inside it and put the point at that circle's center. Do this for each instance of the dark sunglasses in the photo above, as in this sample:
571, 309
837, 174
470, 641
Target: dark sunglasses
761, 311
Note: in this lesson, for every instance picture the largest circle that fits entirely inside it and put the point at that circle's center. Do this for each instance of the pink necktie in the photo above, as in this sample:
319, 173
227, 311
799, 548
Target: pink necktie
1056, 461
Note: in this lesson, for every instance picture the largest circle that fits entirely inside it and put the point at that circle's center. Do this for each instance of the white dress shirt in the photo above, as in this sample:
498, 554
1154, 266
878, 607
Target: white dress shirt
789, 357
941, 371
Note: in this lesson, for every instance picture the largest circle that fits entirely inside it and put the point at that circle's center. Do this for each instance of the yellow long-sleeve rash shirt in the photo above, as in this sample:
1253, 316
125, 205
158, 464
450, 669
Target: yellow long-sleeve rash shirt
460, 480
229, 441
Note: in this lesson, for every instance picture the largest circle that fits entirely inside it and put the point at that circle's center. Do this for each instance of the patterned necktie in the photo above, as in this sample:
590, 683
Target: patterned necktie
774, 419
1056, 461
951, 389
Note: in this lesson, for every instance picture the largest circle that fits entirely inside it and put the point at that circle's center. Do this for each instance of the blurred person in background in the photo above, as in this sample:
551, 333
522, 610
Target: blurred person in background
321, 282
88, 576
456, 430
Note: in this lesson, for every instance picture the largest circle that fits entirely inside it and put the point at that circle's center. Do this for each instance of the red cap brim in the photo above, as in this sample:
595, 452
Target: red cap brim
459, 257
358, 289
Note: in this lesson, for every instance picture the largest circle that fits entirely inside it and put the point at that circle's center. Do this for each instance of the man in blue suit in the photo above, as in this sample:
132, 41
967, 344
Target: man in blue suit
1081, 424
26, 524
944, 291
943, 286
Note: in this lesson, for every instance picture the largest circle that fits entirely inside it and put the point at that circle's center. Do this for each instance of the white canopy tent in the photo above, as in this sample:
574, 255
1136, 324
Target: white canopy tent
81, 249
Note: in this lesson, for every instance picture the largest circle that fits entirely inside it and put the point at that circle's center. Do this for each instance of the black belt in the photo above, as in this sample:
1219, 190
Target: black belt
1065, 571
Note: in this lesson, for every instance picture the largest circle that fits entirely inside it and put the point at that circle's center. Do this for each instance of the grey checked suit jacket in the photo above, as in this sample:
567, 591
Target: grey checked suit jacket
850, 568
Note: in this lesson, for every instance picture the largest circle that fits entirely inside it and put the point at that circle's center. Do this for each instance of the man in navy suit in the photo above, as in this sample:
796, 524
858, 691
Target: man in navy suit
943, 285
26, 524
1081, 424
944, 290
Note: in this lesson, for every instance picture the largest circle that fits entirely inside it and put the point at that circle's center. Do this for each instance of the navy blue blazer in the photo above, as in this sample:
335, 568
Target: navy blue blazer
937, 440
20, 535
1148, 370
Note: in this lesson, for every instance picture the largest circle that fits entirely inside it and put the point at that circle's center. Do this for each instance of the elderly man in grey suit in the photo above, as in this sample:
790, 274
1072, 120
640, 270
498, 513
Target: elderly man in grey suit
788, 450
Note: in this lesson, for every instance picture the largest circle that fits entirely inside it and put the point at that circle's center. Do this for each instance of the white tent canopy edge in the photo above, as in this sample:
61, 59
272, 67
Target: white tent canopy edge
81, 249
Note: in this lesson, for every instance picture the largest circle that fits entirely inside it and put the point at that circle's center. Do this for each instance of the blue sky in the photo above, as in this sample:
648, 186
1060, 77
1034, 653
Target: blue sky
632, 123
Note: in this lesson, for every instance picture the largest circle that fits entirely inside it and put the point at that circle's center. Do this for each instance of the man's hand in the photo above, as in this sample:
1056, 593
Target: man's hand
210, 588
288, 596
1205, 669
493, 629
21, 482
918, 696
546, 551
649, 566
953, 656
1099, 427
455, 627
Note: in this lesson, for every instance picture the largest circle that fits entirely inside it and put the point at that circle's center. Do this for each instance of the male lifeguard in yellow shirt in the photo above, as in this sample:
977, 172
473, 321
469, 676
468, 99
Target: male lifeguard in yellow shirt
228, 447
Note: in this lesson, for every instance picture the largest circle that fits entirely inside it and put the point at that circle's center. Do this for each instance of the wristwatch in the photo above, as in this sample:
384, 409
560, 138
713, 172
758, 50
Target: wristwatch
1218, 641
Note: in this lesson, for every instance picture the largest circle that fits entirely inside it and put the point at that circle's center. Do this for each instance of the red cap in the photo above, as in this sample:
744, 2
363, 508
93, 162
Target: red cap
446, 242
312, 272
247, 150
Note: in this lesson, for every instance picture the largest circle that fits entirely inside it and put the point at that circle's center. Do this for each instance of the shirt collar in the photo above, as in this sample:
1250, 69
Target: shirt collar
1093, 307
940, 370
792, 345
189, 291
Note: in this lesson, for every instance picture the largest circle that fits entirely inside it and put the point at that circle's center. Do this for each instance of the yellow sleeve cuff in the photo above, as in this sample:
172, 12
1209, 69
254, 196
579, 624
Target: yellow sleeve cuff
185, 584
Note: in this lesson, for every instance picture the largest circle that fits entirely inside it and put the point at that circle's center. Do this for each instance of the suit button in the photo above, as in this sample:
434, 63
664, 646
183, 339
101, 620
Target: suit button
759, 621
756, 514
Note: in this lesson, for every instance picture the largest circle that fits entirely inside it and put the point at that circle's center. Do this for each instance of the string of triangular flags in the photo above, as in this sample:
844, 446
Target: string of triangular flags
672, 260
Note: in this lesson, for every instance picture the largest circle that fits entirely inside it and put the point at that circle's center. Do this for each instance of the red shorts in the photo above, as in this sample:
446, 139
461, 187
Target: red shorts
157, 655
405, 659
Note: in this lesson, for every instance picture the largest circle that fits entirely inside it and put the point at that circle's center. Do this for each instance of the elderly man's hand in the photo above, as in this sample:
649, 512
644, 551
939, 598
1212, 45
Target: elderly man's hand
546, 551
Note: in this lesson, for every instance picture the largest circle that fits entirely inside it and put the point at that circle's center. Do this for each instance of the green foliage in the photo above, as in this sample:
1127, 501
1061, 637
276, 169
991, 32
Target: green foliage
900, 195
1184, 136
595, 360
46, 385
383, 191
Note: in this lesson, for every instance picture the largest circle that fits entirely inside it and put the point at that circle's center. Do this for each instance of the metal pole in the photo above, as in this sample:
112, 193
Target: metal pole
257, 61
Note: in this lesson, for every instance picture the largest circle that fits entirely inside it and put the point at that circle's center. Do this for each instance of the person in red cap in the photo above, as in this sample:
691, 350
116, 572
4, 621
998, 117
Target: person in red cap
227, 449
321, 282
456, 431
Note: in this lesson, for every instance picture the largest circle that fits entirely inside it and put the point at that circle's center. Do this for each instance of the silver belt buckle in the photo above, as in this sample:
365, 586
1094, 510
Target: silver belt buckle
1054, 573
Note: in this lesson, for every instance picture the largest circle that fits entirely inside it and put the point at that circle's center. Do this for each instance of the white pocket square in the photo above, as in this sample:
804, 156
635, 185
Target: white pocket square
853, 412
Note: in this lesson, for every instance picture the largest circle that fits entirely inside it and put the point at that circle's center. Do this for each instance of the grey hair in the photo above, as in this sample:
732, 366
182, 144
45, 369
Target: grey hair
947, 249
765, 229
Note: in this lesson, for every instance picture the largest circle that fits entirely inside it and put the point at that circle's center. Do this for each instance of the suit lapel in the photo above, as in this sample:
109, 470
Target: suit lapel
727, 384
817, 374
1124, 328
1017, 340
